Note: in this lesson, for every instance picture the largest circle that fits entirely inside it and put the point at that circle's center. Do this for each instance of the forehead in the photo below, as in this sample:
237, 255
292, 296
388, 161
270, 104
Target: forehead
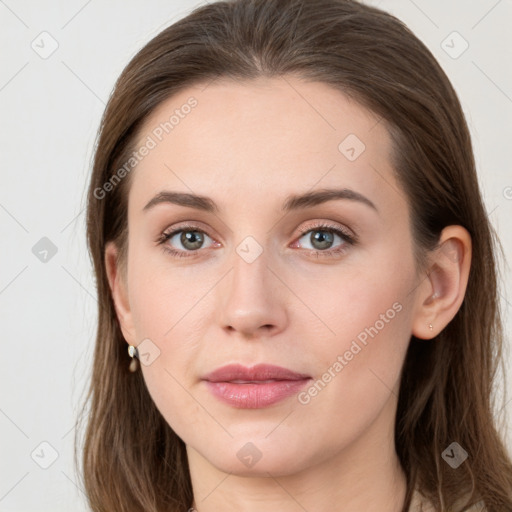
267, 135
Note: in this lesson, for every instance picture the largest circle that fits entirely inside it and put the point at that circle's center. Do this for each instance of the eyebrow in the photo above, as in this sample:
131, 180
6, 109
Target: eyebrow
293, 202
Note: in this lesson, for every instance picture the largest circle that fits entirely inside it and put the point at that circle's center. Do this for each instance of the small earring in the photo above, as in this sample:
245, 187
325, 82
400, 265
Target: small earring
133, 353
430, 326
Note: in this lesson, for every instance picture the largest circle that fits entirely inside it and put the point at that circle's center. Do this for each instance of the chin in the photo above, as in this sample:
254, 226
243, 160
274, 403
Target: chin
254, 460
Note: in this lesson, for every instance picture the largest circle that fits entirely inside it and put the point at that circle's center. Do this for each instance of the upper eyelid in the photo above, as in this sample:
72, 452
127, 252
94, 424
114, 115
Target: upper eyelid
326, 226
318, 225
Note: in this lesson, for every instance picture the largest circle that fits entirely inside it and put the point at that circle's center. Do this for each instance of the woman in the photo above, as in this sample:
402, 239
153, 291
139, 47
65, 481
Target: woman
288, 235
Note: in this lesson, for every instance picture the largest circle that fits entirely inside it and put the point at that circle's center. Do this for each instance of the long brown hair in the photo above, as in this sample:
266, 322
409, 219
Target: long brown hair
132, 460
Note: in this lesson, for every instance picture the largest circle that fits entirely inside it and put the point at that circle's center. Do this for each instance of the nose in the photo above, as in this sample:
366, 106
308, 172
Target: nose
252, 299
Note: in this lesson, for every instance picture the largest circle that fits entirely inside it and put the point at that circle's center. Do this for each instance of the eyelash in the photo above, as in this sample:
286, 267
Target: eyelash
348, 239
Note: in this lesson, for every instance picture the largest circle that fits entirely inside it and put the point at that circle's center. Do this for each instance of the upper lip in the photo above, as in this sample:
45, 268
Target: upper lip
259, 372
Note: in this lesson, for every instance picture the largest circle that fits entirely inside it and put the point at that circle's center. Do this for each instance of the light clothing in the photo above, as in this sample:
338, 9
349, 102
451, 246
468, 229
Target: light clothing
420, 504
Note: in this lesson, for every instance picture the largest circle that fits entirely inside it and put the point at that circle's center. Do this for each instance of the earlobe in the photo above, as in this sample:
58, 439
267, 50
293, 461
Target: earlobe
441, 293
119, 291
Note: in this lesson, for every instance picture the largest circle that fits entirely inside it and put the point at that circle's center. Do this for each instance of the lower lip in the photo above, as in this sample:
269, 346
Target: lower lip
255, 396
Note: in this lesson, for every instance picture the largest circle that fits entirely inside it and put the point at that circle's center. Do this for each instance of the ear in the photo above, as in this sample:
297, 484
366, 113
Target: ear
441, 292
119, 289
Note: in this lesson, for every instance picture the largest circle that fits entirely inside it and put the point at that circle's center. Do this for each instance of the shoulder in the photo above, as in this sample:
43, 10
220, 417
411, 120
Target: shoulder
420, 504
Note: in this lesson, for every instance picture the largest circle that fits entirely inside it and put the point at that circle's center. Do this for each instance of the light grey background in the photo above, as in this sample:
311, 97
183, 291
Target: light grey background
50, 111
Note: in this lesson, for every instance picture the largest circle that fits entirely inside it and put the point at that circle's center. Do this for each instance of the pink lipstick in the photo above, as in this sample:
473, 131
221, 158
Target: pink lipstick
256, 387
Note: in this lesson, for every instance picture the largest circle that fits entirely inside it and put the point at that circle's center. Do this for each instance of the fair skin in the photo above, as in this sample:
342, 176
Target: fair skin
248, 146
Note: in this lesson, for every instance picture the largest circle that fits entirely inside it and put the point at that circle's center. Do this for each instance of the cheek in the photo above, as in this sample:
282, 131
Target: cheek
366, 324
163, 313
167, 308
160, 295
369, 330
358, 369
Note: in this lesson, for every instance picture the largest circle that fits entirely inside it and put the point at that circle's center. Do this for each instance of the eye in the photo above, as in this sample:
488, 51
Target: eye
322, 237
191, 239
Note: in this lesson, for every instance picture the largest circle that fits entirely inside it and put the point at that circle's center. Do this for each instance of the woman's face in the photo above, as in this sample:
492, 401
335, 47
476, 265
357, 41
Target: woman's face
267, 271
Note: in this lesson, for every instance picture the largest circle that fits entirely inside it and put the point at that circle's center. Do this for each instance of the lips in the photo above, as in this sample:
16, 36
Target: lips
253, 388
260, 373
